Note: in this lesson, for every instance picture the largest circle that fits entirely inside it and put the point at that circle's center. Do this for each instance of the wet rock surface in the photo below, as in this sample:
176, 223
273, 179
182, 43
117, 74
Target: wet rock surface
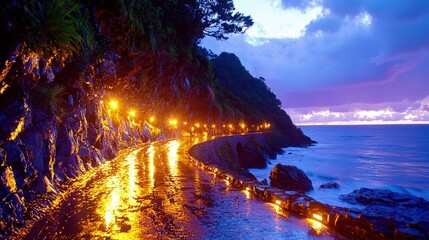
250, 155
39, 152
385, 214
236, 153
390, 210
290, 178
331, 185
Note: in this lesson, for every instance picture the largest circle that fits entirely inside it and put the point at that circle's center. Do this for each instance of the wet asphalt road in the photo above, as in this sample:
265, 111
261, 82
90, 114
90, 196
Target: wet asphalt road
156, 192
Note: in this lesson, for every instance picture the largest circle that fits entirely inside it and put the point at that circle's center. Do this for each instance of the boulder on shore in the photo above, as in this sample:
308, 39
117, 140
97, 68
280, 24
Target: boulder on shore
290, 178
330, 185
402, 210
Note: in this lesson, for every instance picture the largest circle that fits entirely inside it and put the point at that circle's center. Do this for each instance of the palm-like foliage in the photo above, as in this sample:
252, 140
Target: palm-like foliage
58, 28
52, 98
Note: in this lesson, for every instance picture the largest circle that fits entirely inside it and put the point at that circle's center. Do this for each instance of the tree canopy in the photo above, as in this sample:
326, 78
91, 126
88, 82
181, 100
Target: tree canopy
146, 51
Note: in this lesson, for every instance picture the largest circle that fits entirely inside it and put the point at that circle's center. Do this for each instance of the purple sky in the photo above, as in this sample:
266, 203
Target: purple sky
339, 61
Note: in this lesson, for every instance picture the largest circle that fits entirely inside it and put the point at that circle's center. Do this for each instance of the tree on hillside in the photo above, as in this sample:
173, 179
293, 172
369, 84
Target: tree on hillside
153, 44
242, 97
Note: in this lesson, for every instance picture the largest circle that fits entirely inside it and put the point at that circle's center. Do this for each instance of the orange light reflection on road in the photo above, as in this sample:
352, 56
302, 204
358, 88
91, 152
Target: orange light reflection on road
172, 155
111, 205
117, 206
151, 157
133, 189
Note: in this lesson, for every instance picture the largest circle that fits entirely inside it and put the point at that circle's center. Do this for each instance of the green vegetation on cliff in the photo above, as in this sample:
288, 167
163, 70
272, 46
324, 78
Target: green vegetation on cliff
242, 97
145, 52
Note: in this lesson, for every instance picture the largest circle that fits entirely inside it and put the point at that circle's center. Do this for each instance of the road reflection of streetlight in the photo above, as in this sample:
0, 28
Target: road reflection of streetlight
151, 157
122, 197
173, 156
111, 205
133, 189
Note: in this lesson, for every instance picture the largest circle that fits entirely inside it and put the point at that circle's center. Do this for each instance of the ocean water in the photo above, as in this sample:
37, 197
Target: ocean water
392, 157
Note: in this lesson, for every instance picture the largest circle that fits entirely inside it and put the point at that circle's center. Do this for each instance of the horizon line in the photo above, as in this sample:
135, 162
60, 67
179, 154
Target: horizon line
362, 123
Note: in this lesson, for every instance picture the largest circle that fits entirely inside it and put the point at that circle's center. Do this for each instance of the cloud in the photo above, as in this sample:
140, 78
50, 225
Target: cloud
327, 24
346, 52
271, 21
394, 112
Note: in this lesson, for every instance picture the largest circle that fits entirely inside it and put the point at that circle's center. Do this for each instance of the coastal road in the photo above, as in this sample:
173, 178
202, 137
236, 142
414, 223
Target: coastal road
155, 191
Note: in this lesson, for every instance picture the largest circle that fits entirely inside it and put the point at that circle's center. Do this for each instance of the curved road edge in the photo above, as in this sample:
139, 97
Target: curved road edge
218, 155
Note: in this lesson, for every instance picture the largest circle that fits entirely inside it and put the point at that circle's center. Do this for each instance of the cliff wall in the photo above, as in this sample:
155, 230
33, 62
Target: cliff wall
45, 141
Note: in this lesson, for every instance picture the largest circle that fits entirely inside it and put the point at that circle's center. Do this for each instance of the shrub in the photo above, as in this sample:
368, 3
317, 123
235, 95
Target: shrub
51, 99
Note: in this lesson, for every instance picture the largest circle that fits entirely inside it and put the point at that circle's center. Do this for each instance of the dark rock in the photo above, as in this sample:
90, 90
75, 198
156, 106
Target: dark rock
13, 110
409, 233
93, 135
7, 181
226, 158
3, 155
246, 175
66, 145
402, 209
331, 185
43, 185
290, 178
368, 197
72, 165
85, 154
265, 182
96, 158
422, 226
251, 155
16, 208
22, 167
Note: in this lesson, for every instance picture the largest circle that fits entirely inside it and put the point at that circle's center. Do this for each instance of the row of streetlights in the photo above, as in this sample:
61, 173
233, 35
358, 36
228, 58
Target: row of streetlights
174, 123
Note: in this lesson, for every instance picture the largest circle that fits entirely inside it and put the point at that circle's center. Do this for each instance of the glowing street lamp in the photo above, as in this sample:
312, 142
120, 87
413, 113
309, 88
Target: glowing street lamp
132, 113
113, 104
173, 122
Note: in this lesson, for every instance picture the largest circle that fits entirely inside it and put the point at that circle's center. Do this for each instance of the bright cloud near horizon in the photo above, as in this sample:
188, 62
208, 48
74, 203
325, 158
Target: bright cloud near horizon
336, 61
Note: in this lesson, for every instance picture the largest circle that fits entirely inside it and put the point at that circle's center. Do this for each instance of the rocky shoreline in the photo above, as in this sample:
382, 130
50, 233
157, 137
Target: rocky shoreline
379, 214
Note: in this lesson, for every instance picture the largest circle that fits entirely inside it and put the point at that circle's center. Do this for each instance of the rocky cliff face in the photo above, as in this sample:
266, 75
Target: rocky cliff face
235, 154
49, 135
